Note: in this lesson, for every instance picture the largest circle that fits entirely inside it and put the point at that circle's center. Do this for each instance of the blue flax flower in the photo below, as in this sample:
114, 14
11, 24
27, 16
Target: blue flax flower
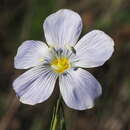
62, 57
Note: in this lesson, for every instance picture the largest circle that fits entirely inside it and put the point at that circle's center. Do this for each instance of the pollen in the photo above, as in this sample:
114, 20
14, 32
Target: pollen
59, 65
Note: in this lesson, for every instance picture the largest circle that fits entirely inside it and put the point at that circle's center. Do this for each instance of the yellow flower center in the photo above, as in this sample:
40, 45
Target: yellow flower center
60, 64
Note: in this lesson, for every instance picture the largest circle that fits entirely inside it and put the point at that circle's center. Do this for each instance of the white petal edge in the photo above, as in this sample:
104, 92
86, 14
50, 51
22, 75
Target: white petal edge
30, 54
35, 85
79, 89
94, 49
62, 28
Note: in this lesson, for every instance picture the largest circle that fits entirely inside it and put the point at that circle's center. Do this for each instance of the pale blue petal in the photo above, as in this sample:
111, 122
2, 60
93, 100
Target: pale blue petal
94, 49
35, 86
79, 89
62, 28
30, 54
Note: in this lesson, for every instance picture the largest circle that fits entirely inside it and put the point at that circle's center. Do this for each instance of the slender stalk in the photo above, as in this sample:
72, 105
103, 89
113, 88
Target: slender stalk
56, 115
62, 119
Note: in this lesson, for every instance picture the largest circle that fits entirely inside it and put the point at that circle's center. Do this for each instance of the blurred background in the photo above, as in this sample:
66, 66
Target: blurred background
22, 20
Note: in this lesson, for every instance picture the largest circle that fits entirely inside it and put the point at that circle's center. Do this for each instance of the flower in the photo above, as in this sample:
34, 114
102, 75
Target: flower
62, 57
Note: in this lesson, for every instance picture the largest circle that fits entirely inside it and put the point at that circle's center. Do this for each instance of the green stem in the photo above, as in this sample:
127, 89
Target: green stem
56, 115
62, 119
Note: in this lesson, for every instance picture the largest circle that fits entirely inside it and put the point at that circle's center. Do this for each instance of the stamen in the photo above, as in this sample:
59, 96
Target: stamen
59, 65
71, 48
